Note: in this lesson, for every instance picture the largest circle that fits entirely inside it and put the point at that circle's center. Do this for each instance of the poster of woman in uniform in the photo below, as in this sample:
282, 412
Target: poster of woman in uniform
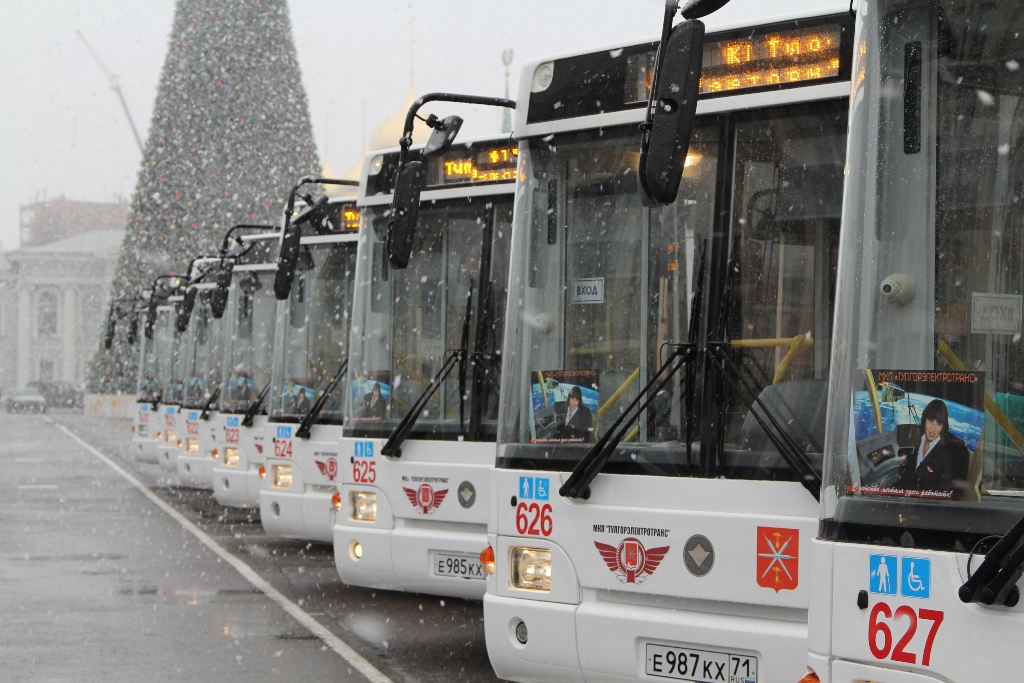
370, 394
564, 404
915, 431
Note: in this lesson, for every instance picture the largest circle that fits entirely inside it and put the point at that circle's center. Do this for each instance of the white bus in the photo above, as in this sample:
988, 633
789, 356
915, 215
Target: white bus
918, 551
310, 355
663, 388
203, 341
147, 388
250, 315
415, 491
170, 359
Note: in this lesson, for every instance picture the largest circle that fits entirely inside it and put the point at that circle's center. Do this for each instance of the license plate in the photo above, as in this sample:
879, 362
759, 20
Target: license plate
700, 666
464, 566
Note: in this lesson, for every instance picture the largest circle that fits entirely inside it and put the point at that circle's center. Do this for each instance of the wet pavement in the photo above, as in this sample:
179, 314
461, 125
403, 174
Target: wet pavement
98, 582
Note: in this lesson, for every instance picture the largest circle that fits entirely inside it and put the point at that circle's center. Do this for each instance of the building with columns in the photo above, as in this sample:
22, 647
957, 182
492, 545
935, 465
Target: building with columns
54, 293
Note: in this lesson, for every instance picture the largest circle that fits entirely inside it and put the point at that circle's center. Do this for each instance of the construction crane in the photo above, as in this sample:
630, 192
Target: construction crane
115, 86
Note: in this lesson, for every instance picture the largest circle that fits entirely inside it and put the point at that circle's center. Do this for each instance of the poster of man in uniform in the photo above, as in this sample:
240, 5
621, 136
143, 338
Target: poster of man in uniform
915, 431
370, 394
564, 404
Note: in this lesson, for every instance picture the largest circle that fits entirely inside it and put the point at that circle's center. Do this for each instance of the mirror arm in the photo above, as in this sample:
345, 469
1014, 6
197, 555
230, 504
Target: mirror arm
405, 142
225, 243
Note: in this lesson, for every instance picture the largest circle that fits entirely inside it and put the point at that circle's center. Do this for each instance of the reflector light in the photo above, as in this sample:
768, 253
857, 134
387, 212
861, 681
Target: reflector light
336, 501
487, 559
357, 550
215, 454
263, 472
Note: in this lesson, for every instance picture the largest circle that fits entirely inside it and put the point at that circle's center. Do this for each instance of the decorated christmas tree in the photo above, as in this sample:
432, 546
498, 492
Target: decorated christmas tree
230, 134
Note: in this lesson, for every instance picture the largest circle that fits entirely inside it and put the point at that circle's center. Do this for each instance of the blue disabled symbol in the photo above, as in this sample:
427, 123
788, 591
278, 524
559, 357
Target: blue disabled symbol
916, 577
883, 574
541, 488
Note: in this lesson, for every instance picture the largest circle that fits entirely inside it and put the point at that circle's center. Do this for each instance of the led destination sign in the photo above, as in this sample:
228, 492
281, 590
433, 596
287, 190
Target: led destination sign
350, 218
776, 58
491, 164
762, 58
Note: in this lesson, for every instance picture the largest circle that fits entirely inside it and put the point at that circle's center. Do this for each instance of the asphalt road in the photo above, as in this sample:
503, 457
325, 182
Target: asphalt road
100, 582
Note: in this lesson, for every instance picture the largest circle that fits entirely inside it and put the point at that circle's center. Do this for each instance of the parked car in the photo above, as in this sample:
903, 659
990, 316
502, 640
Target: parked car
27, 399
59, 394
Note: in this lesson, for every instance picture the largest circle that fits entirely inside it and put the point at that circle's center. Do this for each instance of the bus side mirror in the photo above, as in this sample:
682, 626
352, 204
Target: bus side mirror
286, 261
150, 318
673, 107
133, 325
185, 307
108, 341
443, 135
404, 213
219, 296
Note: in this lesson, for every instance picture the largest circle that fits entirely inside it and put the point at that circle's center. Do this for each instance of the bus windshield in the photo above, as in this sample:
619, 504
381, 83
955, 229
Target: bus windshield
148, 385
312, 333
169, 367
249, 318
603, 290
203, 355
927, 401
408, 321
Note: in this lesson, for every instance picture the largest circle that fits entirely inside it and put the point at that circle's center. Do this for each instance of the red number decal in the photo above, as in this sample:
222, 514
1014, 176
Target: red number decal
875, 627
364, 471
521, 519
283, 448
528, 517
533, 530
143, 417
546, 523
231, 435
934, 616
191, 427
900, 654
169, 420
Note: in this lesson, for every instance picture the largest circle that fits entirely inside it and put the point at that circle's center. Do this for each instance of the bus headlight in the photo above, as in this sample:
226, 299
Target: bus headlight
281, 476
231, 456
170, 436
530, 569
191, 446
363, 506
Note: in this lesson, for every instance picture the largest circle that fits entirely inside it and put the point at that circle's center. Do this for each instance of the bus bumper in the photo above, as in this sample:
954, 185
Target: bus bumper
235, 487
308, 516
549, 653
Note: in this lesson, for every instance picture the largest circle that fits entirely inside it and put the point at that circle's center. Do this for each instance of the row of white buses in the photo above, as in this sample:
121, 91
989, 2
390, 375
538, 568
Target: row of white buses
711, 372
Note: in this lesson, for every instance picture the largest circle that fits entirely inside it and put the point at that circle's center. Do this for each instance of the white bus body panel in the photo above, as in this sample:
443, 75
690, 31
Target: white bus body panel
732, 607
399, 548
303, 511
144, 444
969, 642
239, 487
196, 471
168, 451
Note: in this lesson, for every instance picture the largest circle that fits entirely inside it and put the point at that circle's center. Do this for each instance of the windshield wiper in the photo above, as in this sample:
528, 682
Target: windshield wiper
310, 418
255, 406
577, 485
205, 415
995, 581
393, 447
780, 438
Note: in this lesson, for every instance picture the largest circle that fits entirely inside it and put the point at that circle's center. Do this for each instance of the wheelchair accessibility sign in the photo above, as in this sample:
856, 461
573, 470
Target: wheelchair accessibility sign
911, 577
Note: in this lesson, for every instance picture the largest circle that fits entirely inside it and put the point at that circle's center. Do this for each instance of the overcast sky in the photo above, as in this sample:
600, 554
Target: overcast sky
65, 133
